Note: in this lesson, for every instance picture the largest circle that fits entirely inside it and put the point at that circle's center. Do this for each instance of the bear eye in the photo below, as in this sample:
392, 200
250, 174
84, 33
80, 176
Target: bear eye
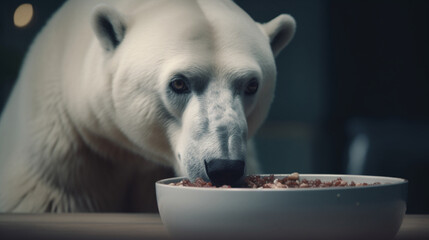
178, 85
252, 87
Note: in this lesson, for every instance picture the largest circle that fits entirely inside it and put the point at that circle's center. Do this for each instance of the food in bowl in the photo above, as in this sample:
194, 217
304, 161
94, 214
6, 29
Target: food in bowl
370, 212
291, 181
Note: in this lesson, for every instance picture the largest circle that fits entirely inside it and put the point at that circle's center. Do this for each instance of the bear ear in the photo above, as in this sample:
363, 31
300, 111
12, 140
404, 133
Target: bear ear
109, 26
280, 31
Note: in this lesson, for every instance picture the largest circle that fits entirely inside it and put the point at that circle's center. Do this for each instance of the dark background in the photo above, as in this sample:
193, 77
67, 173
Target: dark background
352, 92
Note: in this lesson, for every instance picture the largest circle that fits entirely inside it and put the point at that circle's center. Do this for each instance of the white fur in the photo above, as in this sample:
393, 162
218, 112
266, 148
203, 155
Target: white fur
92, 124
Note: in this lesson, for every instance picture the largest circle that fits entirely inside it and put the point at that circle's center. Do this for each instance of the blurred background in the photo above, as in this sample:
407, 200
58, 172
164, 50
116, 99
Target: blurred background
352, 91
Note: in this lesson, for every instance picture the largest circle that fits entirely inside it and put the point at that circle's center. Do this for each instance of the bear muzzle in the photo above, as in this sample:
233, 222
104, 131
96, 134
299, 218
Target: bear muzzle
224, 171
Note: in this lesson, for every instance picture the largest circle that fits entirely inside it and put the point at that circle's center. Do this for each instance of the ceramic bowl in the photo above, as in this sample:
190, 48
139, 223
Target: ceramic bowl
366, 212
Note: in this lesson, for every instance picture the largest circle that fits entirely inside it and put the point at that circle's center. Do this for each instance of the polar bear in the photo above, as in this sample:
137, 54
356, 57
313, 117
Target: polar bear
114, 94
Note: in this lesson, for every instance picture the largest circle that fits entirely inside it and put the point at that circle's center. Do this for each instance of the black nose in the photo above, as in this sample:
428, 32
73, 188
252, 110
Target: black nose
223, 171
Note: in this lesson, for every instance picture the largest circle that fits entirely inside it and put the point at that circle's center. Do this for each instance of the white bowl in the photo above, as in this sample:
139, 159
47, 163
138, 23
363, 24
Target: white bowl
367, 212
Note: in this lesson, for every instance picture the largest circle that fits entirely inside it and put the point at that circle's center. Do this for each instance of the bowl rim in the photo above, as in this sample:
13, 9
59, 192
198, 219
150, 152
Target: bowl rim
395, 181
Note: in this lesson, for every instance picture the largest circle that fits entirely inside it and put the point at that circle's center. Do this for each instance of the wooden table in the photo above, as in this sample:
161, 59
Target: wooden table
129, 226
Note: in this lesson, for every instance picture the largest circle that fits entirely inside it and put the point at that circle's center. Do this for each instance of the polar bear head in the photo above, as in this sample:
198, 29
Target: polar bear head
189, 81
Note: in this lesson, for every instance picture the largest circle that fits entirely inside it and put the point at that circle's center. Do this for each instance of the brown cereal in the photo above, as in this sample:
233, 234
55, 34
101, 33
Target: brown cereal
291, 181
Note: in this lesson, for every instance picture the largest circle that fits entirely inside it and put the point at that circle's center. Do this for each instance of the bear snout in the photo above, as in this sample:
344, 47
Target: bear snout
224, 171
